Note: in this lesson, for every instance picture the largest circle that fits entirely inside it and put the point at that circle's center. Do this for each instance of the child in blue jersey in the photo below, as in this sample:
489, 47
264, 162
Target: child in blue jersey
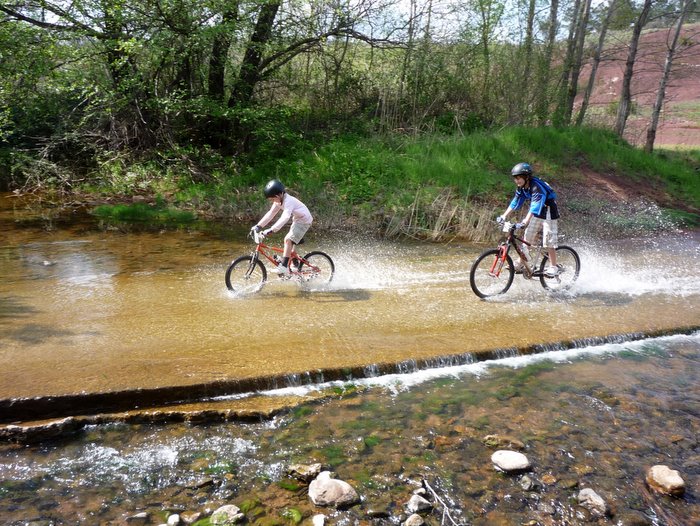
541, 217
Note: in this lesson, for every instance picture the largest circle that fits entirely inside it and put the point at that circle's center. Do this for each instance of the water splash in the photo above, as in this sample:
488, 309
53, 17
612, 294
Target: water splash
640, 266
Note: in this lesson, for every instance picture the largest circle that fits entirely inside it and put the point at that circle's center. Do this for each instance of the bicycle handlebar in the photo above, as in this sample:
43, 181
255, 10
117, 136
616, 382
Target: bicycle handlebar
507, 226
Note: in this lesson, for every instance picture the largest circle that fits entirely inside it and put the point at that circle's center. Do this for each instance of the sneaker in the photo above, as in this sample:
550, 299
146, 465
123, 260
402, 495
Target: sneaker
281, 270
518, 267
552, 271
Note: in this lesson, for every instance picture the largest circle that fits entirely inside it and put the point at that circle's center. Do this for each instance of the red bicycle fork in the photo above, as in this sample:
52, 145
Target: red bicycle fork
499, 261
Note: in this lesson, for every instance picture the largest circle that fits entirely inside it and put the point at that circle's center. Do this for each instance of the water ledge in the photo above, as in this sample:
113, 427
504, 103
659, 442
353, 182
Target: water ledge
26, 420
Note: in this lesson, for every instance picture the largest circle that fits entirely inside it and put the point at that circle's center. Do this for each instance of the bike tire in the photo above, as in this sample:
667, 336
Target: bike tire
570, 262
245, 275
319, 268
483, 282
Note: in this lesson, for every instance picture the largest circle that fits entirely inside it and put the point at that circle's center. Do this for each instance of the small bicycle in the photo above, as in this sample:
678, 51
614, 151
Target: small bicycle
493, 271
247, 274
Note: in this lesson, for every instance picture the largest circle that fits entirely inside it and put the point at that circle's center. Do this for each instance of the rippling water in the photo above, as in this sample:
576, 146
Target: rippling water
596, 417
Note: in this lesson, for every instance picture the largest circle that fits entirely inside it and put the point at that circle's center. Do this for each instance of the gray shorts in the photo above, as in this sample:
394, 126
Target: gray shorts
545, 229
297, 231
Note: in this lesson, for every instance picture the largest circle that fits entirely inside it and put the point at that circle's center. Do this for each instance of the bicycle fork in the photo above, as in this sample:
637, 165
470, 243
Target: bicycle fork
251, 266
499, 261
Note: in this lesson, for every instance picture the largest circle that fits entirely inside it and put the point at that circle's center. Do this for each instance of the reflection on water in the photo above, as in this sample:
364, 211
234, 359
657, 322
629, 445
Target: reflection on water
597, 417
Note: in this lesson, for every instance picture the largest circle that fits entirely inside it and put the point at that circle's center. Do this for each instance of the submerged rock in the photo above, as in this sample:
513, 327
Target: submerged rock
305, 472
510, 461
665, 480
418, 504
227, 515
138, 518
503, 441
326, 491
414, 520
593, 502
529, 483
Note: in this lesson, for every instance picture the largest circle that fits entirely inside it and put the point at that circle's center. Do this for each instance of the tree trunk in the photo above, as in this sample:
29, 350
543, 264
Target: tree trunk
117, 59
596, 63
623, 110
542, 106
651, 132
578, 59
524, 93
249, 74
559, 117
219, 55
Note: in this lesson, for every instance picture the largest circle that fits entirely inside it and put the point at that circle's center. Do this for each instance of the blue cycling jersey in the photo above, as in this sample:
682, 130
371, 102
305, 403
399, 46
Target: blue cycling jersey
542, 199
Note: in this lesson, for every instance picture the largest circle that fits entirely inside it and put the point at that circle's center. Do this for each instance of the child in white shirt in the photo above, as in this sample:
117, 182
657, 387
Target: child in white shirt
275, 192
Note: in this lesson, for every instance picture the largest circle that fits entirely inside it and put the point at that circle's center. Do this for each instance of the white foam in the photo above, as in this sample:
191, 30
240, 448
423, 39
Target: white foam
651, 272
398, 382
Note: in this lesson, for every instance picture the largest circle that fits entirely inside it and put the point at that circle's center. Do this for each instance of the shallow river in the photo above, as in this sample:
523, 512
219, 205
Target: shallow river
90, 310
85, 309
596, 418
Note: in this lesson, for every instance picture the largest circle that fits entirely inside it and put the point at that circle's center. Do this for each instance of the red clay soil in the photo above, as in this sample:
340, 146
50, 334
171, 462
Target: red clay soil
612, 187
679, 124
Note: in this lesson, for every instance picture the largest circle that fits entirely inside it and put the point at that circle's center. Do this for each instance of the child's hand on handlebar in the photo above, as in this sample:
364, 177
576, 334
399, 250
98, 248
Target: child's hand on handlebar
500, 220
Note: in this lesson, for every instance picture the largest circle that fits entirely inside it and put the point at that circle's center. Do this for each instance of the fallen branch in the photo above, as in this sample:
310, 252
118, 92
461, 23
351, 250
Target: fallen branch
445, 509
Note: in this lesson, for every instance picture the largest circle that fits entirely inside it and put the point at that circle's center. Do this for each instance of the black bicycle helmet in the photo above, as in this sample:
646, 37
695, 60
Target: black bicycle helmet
521, 169
273, 188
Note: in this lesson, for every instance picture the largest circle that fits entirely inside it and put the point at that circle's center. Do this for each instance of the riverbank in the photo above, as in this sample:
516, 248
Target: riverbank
437, 188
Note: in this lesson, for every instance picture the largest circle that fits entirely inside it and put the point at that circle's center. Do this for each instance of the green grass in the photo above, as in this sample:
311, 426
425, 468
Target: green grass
431, 187
357, 170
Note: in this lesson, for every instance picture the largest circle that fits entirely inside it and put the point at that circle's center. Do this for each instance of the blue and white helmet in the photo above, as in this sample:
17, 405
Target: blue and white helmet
521, 169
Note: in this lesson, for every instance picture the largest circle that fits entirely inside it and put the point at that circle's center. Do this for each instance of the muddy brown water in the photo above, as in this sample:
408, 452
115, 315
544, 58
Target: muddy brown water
88, 308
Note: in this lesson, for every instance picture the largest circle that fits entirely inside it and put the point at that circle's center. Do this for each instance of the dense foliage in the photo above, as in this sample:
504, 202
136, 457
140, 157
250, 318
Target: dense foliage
370, 106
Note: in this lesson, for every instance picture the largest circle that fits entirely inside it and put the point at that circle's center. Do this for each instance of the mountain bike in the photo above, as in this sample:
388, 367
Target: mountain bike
493, 271
247, 274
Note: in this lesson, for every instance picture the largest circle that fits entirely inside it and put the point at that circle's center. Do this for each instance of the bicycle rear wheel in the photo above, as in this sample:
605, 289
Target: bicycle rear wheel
246, 275
319, 268
569, 267
490, 276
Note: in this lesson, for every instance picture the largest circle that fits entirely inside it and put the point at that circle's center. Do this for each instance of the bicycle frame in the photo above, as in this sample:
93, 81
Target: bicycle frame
516, 242
297, 264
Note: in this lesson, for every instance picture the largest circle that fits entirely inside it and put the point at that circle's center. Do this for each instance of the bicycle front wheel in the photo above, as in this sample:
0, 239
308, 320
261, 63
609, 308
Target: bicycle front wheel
246, 275
317, 267
569, 267
490, 275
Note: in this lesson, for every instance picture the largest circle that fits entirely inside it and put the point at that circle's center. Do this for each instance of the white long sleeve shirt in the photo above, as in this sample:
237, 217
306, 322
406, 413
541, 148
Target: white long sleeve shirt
291, 207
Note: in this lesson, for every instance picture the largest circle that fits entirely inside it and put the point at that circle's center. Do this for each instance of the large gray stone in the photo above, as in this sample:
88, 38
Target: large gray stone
665, 480
510, 461
593, 502
327, 491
